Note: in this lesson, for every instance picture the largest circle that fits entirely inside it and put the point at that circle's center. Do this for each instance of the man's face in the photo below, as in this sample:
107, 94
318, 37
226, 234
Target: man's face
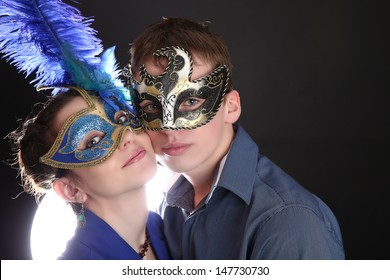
177, 91
188, 150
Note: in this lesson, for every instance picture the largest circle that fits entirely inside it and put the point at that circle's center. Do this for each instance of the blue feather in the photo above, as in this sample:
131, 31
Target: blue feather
56, 42
46, 37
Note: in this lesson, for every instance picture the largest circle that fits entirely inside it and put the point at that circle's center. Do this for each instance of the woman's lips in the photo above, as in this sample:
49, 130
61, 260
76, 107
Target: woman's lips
136, 156
175, 149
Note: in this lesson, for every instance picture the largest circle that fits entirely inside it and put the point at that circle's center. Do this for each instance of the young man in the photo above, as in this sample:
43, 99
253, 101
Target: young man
229, 202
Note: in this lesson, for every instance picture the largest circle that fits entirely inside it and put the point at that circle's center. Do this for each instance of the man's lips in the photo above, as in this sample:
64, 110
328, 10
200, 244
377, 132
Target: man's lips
135, 157
175, 149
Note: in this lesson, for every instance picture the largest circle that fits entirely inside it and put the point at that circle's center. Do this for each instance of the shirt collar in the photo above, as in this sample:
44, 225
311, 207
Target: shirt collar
239, 168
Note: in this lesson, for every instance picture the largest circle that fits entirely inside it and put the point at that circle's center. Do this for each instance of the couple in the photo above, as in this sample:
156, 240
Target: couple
229, 202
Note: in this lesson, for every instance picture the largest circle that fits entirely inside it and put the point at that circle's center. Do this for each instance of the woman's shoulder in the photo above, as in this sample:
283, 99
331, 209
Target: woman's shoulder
156, 231
77, 250
155, 224
154, 217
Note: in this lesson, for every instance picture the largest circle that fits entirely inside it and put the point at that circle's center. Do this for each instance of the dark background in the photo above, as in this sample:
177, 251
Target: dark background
313, 80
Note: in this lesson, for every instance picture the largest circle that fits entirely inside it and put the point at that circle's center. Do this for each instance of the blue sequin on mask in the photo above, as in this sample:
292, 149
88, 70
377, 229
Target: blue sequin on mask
77, 132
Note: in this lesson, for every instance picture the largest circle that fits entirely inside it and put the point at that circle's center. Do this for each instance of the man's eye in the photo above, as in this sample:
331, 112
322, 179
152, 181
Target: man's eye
93, 141
149, 107
191, 104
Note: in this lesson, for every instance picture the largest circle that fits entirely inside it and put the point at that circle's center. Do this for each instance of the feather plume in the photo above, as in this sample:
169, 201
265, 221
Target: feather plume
54, 40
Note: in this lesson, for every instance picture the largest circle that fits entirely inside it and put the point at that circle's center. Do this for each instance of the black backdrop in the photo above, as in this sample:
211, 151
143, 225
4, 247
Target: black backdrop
313, 80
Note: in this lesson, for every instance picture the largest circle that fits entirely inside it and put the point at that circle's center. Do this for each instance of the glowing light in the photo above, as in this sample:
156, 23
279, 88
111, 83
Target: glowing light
54, 221
54, 224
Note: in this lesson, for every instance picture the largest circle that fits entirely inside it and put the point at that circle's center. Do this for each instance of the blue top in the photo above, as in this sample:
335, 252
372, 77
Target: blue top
254, 211
98, 241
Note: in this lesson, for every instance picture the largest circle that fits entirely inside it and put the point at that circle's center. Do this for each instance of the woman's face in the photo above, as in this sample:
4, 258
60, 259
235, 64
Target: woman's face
130, 164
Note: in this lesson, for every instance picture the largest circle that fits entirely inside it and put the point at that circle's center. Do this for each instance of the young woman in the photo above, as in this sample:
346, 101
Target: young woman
86, 143
88, 152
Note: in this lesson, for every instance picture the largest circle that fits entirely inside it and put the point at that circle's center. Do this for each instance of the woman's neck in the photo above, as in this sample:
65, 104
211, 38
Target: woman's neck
127, 214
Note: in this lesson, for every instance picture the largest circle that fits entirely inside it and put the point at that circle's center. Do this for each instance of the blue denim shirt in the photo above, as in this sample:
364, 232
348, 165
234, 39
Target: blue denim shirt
255, 211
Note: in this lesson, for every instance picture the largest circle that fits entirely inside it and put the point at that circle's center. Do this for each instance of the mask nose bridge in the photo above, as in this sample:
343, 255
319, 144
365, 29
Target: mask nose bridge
127, 137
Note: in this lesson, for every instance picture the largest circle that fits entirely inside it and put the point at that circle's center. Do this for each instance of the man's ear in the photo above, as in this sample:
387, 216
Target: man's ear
65, 189
232, 106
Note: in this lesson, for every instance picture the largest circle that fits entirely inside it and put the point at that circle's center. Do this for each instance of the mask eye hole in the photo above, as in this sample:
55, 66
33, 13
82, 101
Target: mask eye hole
191, 104
94, 141
91, 140
121, 117
149, 107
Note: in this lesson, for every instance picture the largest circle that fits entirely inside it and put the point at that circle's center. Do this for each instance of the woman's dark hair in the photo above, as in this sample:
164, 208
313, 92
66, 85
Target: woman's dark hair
32, 140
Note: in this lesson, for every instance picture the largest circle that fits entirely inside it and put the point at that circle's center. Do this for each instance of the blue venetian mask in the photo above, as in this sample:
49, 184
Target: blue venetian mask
99, 116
